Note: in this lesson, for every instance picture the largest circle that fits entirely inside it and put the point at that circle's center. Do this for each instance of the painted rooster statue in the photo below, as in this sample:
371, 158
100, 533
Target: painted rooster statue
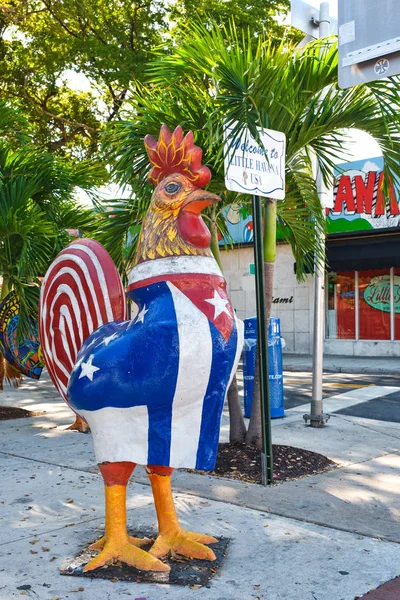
151, 389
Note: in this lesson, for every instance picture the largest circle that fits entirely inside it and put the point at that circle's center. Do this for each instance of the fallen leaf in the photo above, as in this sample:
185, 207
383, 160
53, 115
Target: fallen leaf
45, 549
69, 501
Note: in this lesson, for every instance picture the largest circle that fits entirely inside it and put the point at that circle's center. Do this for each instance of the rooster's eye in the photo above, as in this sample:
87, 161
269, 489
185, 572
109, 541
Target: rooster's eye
171, 188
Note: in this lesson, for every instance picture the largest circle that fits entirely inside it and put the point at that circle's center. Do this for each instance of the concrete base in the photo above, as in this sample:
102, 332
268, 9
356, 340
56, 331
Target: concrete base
186, 572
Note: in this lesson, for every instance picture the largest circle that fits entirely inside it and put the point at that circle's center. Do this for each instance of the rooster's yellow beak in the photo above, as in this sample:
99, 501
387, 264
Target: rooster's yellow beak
197, 201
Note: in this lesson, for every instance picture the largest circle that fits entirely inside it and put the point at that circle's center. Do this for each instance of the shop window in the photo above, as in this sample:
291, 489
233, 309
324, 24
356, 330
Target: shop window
374, 304
341, 319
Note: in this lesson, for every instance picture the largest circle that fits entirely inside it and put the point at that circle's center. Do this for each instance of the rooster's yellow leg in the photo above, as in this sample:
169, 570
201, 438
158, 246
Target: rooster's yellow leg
79, 425
171, 536
139, 542
117, 546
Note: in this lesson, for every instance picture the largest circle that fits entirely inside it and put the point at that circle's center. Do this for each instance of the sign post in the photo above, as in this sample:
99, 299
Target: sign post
318, 22
259, 171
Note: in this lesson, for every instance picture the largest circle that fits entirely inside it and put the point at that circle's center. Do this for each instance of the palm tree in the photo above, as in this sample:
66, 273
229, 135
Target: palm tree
37, 206
294, 91
214, 78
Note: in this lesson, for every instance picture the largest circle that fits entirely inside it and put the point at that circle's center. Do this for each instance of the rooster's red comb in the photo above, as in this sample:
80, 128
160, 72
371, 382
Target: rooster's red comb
175, 153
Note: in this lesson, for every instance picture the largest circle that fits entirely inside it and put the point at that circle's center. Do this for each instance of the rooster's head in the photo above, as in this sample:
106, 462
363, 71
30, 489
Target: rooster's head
173, 225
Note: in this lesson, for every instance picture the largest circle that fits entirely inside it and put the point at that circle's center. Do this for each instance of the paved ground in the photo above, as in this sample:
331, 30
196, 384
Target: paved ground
333, 536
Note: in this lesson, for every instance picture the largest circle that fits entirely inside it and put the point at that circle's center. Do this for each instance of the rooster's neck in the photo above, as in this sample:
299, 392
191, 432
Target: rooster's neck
160, 238
194, 268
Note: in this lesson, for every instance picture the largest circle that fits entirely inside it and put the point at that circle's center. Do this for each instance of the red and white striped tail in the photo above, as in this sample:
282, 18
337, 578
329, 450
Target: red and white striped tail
82, 290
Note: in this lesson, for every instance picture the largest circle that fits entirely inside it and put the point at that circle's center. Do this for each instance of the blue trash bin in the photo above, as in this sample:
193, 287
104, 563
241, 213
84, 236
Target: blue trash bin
274, 365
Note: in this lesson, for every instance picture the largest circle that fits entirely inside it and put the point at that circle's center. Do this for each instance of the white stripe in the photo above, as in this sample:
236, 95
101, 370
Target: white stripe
47, 348
66, 316
63, 288
100, 275
82, 294
174, 265
81, 263
353, 397
57, 362
195, 351
119, 434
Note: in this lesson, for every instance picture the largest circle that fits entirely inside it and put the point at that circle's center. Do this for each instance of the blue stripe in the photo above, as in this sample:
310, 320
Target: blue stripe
138, 368
222, 362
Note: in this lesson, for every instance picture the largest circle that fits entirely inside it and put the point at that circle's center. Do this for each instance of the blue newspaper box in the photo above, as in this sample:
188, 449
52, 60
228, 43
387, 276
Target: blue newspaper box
274, 365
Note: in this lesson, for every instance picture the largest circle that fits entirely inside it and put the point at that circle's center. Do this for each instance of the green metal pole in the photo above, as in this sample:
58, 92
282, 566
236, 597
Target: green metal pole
262, 340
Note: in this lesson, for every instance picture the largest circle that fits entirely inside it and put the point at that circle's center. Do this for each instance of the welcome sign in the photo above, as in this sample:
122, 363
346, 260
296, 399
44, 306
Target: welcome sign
255, 168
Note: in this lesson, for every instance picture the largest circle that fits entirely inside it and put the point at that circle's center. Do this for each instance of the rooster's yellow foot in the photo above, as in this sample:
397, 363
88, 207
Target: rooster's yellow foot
138, 542
128, 554
185, 543
79, 425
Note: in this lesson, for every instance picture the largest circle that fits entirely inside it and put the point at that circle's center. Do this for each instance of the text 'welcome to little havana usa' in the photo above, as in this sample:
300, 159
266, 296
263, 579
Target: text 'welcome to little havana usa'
254, 169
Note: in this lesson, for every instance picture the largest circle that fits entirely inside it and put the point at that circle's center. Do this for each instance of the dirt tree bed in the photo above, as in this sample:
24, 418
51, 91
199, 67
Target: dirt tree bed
11, 412
243, 462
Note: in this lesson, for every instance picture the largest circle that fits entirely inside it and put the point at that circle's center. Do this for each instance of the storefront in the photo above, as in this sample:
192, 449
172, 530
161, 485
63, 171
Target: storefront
363, 282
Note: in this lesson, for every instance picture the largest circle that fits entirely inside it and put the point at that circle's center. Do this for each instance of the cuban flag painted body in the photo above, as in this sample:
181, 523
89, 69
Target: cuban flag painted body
152, 389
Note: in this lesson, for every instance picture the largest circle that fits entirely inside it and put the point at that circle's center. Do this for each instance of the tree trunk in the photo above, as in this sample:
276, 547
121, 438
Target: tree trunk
2, 371
4, 288
237, 426
254, 435
214, 245
3, 294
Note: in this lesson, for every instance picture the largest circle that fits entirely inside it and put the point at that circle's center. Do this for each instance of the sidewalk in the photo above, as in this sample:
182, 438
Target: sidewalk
332, 536
344, 364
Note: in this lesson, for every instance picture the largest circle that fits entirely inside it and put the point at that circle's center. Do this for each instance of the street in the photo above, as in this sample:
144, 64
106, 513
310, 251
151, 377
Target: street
384, 407
297, 388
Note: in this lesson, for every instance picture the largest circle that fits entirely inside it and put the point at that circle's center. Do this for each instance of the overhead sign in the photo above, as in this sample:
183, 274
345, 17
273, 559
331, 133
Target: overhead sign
253, 168
369, 42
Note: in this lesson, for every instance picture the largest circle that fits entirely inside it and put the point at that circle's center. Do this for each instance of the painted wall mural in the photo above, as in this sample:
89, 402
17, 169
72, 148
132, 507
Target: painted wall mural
358, 203
152, 389
24, 355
